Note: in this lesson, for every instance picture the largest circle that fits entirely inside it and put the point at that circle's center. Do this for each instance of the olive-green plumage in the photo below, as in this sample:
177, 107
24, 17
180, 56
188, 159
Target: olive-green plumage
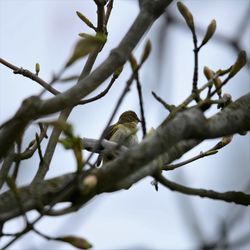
123, 132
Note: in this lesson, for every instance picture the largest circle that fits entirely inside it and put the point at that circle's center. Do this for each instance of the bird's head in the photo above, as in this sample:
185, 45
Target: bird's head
128, 116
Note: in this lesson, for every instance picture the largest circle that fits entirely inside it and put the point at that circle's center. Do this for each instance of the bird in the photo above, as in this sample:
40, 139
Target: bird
123, 132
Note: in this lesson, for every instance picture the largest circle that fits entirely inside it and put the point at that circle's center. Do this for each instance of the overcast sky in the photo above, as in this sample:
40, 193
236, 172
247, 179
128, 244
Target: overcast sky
140, 218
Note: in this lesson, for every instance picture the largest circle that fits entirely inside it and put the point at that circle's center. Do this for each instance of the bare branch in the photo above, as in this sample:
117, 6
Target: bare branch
189, 124
99, 96
30, 75
148, 14
230, 196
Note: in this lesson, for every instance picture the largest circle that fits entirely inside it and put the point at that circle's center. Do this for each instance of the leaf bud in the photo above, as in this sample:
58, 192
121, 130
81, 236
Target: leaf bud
209, 33
239, 64
186, 14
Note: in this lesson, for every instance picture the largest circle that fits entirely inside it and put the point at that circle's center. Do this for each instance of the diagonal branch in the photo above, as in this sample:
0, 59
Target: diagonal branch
230, 196
30, 75
150, 11
189, 124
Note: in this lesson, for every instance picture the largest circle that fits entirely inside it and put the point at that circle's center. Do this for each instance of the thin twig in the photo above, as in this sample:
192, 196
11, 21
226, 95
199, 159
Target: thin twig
16, 237
42, 234
30, 75
196, 65
230, 196
116, 59
217, 36
222, 143
100, 16
100, 95
124, 92
66, 115
54, 79
39, 148
32, 146
143, 120
199, 156
190, 98
107, 14
167, 106
44, 168
65, 191
219, 87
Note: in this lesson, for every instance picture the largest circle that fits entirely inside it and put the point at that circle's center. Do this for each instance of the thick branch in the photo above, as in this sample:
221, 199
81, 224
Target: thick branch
143, 159
148, 14
235, 118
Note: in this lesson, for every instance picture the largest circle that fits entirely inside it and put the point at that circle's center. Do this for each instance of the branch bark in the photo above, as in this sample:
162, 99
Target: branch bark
230, 196
140, 161
33, 107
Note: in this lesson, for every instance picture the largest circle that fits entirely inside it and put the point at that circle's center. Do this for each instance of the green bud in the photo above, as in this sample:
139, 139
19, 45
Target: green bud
226, 140
78, 242
85, 20
186, 14
146, 51
239, 64
37, 67
211, 152
217, 83
133, 62
208, 73
209, 33
118, 71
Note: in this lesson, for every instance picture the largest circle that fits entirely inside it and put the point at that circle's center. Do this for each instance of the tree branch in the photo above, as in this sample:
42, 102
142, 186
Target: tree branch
143, 159
37, 108
230, 196
30, 75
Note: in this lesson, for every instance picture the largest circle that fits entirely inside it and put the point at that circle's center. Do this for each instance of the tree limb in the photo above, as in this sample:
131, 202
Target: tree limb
33, 108
187, 125
230, 196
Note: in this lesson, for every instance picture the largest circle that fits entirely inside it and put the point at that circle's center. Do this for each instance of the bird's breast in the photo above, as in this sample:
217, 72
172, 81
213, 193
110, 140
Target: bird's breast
125, 135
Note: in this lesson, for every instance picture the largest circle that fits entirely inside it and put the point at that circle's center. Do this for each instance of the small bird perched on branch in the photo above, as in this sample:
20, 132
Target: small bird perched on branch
123, 133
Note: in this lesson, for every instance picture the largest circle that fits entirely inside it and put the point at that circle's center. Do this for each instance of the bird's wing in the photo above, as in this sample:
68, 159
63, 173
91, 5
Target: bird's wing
109, 132
107, 135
